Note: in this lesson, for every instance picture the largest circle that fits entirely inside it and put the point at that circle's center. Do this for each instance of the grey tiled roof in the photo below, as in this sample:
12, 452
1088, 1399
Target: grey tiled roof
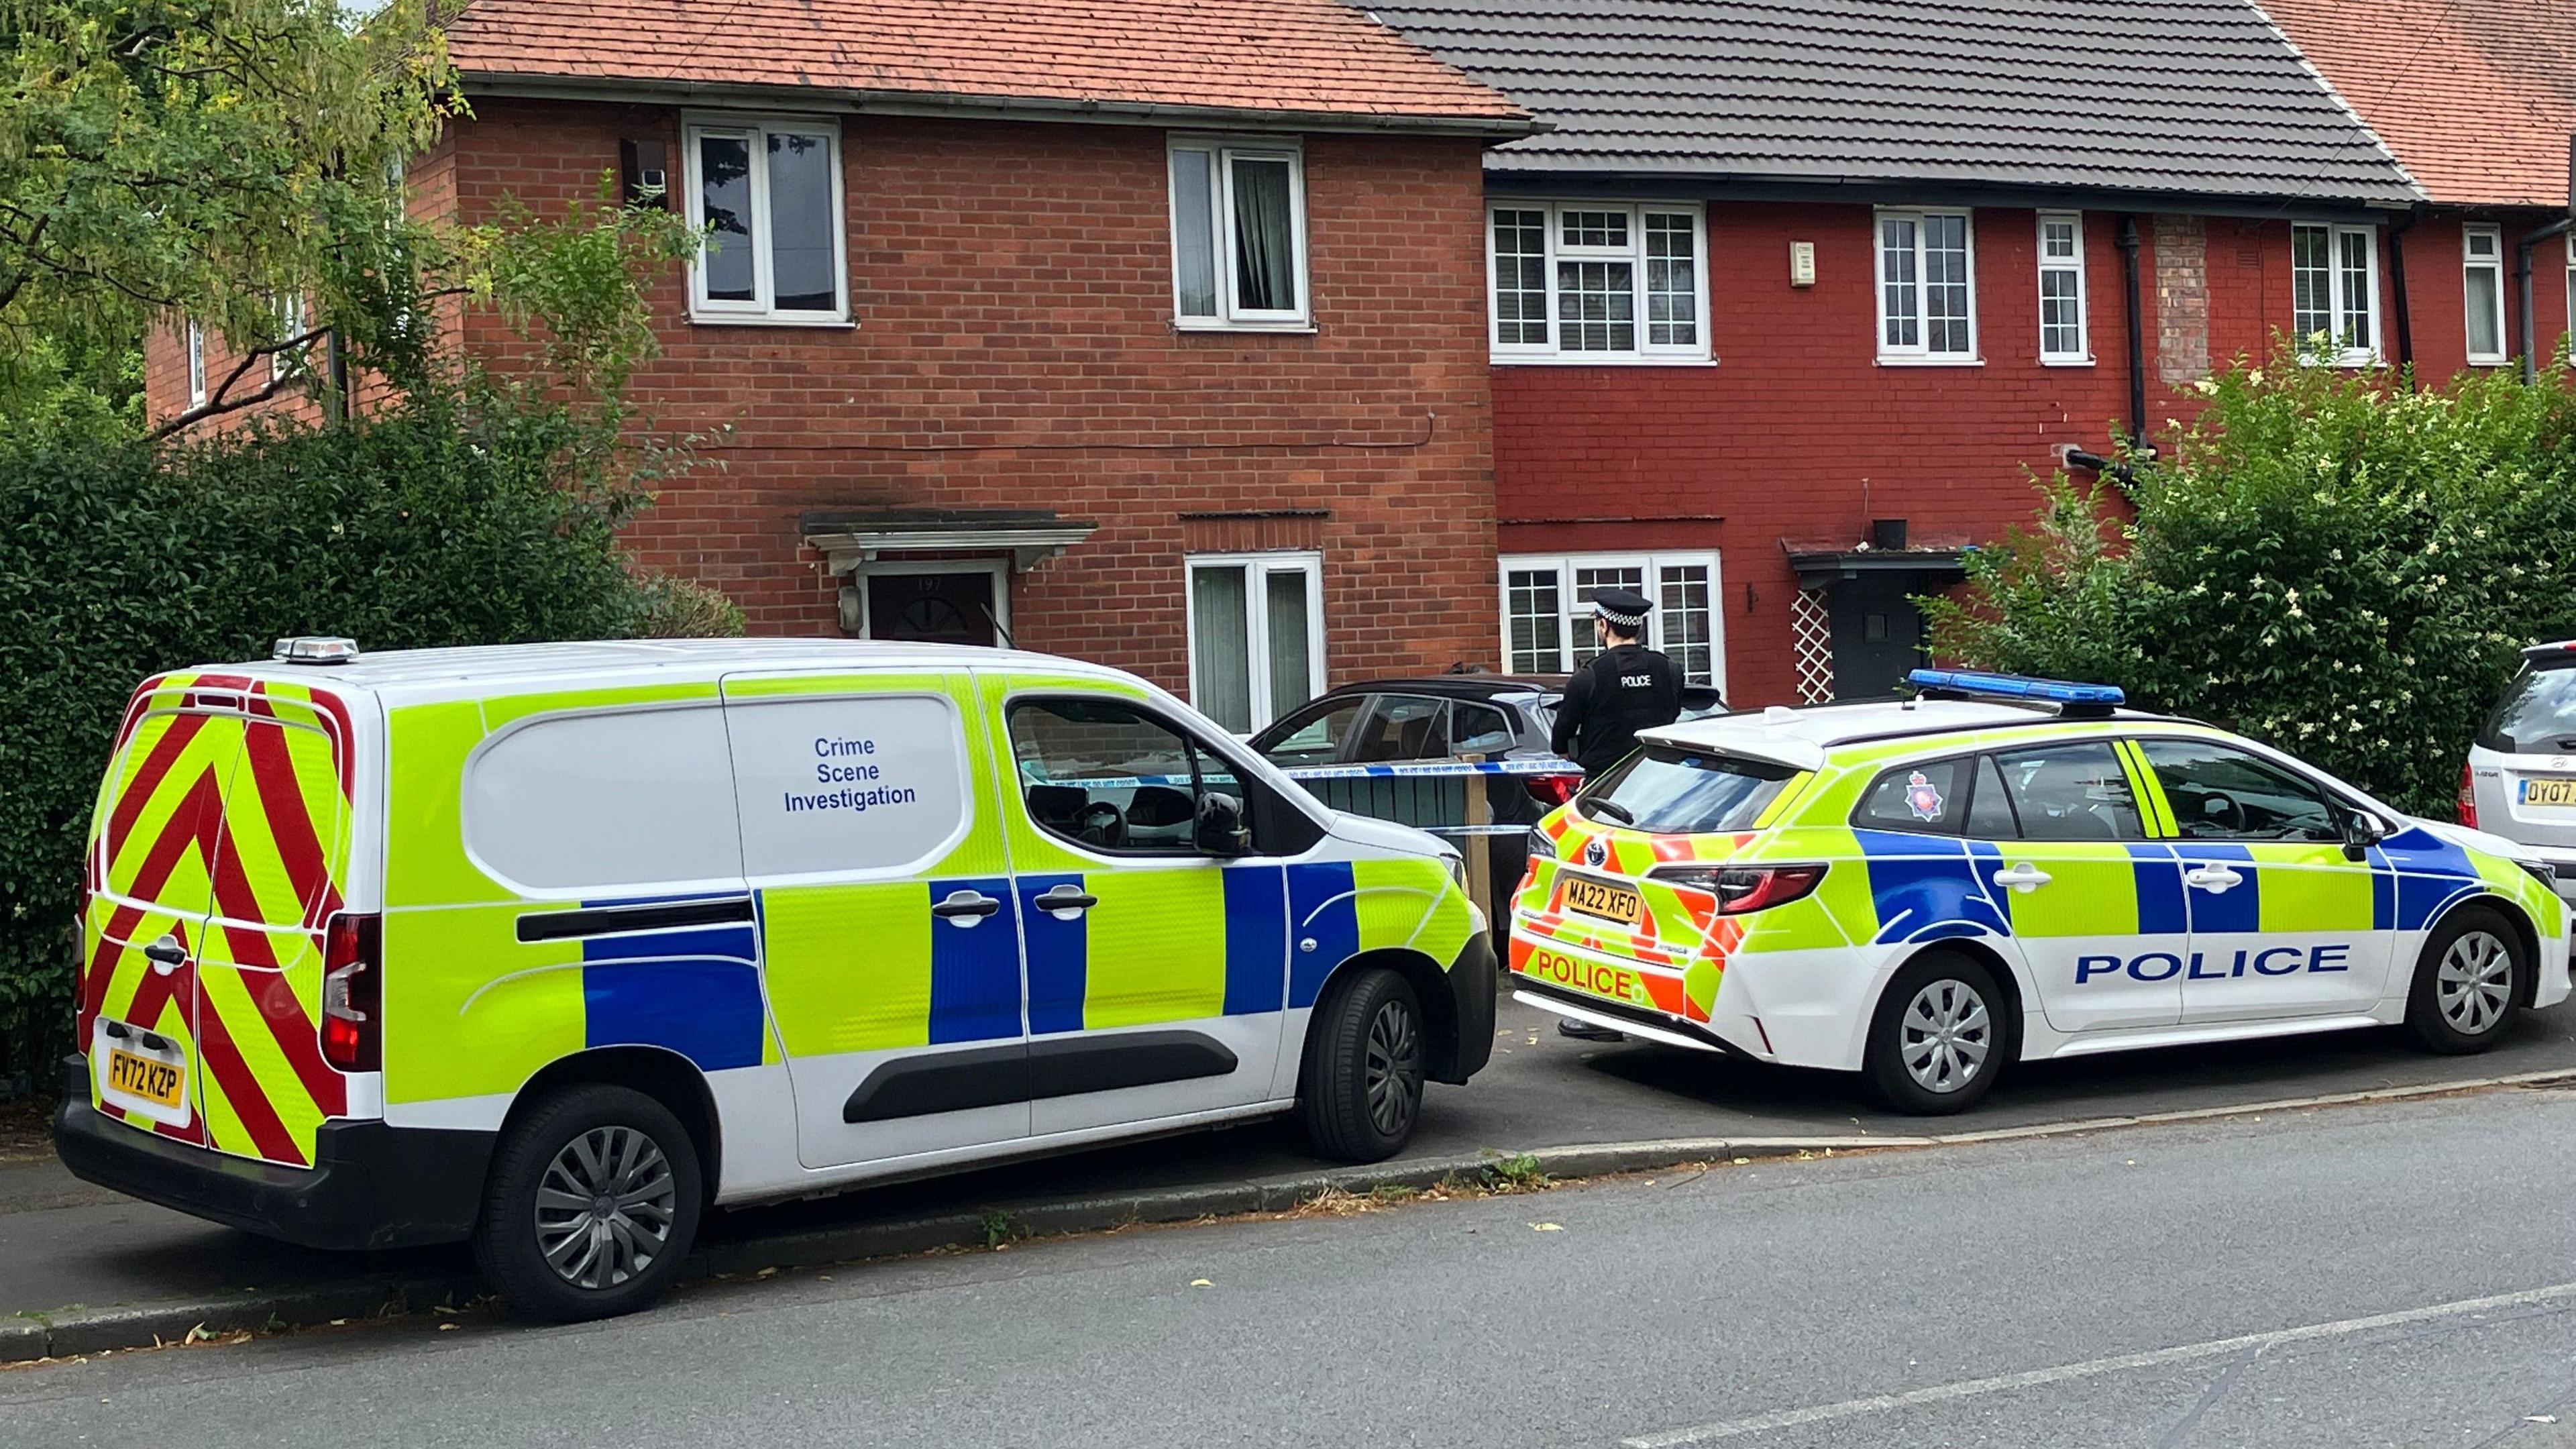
2191, 96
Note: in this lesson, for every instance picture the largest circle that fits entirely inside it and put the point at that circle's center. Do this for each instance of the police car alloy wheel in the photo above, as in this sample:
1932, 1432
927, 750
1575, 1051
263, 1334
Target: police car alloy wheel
1361, 1090
592, 1202
1938, 1039
2467, 982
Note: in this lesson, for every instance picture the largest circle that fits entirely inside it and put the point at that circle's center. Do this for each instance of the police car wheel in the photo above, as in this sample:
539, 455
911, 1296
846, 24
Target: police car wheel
2472, 972
592, 1202
1361, 1089
1937, 1042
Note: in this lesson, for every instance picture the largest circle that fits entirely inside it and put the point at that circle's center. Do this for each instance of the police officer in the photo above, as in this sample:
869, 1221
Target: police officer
1625, 688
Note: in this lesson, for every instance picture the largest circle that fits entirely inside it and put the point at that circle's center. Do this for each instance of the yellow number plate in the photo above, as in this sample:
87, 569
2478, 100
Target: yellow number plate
152, 1080
2555, 790
1601, 898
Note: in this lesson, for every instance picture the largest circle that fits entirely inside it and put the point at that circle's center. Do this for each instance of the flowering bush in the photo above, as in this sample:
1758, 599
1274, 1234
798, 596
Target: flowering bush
2327, 561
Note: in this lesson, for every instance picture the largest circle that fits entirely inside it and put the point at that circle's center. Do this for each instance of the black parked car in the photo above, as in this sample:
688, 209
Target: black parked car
1441, 717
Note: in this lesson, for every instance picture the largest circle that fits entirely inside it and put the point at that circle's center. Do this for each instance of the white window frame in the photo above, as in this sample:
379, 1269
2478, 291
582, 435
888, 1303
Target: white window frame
1700, 351
2494, 263
754, 129
1256, 614
1920, 354
2570, 239
290, 323
2082, 356
2339, 306
1222, 153
1650, 567
196, 344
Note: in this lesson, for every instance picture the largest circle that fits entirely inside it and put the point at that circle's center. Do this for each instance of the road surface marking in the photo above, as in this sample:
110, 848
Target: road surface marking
2091, 1368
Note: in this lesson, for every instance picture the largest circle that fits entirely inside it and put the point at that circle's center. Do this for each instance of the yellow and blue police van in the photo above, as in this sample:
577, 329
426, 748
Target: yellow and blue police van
553, 947
2005, 869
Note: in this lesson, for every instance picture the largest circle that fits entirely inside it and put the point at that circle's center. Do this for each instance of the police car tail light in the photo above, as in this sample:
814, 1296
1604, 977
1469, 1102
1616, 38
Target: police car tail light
2468, 799
353, 993
1742, 888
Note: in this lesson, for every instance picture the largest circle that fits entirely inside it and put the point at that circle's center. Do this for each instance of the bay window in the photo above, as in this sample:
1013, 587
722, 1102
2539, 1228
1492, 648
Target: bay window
1256, 629
767, 192
1597, 282
1547, 609
1238, 235
2334, 292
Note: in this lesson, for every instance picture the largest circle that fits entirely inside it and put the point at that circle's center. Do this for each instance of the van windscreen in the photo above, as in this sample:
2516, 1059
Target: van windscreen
1677, 792
2538, 712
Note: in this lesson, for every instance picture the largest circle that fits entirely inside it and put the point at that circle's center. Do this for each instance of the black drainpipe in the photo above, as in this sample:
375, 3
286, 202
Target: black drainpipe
2397, 290
2137, 338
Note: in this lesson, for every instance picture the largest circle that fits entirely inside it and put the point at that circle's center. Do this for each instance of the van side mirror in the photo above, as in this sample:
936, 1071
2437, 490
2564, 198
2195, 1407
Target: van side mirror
2361, 831
1221, 831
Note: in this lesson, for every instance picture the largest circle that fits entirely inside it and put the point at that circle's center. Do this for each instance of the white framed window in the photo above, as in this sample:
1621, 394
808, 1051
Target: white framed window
1927, 287
1593, 281
2482, 277
1238, 235
767, 192
2062, 337
196, 364
1256, 625
2571, 296
1547, 609
290, 323
2334, 291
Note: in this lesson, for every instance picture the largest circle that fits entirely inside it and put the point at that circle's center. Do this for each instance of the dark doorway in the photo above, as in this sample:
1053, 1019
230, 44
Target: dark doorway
932, 608
1878, 633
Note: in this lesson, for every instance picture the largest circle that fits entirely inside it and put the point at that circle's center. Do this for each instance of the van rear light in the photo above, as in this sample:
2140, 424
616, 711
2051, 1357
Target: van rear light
1741, 889
2468, 798
1552, 790
353, 993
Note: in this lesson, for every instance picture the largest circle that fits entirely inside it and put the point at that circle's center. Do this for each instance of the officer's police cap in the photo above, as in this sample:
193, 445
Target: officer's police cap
1622, 608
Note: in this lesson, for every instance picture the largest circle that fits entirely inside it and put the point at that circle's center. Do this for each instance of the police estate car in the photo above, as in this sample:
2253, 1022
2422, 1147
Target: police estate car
2008, 869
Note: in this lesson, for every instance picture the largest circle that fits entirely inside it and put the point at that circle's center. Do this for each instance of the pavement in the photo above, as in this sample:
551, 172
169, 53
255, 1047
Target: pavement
83, 1269
2390, 1274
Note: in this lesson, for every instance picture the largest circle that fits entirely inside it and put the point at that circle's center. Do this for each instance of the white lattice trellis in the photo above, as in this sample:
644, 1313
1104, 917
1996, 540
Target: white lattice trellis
1811, 640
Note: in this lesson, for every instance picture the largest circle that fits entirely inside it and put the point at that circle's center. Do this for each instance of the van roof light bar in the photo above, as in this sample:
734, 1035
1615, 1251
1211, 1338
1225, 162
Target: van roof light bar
315, 649
2070, 697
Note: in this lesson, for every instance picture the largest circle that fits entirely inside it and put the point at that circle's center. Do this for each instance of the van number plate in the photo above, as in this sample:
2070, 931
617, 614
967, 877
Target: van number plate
2550, 790
145, 1077
1603, 899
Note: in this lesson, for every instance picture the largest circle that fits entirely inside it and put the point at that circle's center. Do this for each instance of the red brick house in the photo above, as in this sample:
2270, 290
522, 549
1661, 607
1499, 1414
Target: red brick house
1149, 332
2478, 99
1794, 296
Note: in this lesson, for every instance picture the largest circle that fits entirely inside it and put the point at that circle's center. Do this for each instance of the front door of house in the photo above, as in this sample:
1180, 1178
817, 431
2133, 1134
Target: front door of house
956, 608
1878, 634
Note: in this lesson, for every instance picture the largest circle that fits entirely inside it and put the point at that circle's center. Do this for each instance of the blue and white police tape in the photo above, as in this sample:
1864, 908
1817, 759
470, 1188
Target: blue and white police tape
1401, 770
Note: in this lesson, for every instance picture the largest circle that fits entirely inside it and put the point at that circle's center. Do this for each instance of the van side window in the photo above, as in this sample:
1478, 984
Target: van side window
1928, 798
619, 800
864, 782
1109, 776
2071, 792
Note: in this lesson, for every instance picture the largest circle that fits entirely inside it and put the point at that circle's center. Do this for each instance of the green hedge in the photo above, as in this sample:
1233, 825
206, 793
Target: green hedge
2328, 561
429, 527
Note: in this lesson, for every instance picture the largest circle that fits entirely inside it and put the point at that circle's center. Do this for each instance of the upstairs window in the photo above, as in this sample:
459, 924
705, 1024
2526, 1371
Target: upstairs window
1927, 306
2061, 288
1238, 236
290, 325
2482, 274
196, 365
2334, 292
1592, 282
2571, 295
768, 193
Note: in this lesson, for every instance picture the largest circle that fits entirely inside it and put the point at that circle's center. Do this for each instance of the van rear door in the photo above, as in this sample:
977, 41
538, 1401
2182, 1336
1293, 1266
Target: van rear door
150, 884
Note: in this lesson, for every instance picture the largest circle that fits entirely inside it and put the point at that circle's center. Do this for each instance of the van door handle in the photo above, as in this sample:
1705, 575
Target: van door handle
1064, 902
2024, 877
165, 955
966, 907
2215, 879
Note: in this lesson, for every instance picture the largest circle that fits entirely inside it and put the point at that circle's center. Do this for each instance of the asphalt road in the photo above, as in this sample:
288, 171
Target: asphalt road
2402, 1274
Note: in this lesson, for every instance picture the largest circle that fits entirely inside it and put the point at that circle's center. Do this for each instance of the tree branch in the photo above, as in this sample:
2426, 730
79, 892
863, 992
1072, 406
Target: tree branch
219, 401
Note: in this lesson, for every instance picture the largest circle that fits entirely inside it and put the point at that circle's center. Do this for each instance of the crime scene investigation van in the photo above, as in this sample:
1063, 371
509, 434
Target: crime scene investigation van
551, 947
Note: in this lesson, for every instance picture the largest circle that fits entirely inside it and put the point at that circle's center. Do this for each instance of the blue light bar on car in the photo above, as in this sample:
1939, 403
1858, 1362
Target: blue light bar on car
2015, 686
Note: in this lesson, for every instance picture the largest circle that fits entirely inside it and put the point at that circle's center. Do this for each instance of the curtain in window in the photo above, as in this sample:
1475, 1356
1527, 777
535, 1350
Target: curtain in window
724, 203
1221, 646
1193, 225
1265, 257
2311, 282
1292, 656
2360, 306
800, 224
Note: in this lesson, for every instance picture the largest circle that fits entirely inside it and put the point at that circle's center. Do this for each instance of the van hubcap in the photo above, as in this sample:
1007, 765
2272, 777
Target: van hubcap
2475, 982
605, 1207
1394, 1069
1944, 1036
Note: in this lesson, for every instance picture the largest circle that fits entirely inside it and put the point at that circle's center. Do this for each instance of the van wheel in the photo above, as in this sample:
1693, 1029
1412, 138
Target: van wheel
2472, 972
1936, 1044
1363, 1069
593, 1201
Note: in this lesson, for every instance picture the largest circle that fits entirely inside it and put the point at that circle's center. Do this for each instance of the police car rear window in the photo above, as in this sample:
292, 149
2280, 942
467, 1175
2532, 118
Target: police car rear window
1676, 793
2538, 713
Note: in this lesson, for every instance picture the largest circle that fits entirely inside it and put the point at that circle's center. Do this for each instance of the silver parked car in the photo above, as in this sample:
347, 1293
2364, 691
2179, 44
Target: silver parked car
2520, 779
